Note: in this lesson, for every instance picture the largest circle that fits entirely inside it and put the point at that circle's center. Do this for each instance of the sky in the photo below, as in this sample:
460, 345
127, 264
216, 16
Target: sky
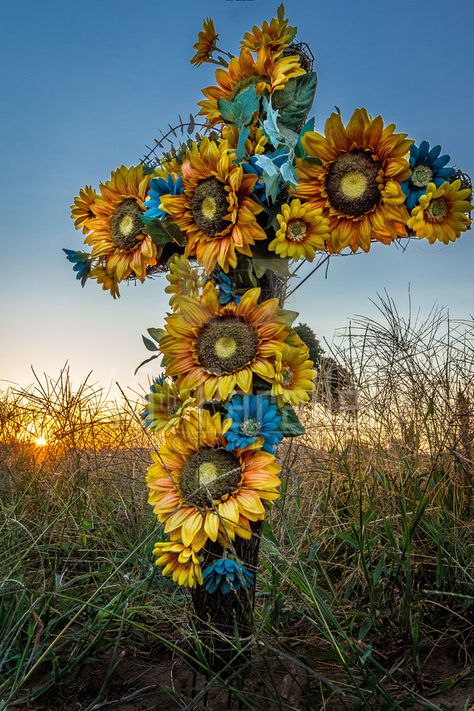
85, 86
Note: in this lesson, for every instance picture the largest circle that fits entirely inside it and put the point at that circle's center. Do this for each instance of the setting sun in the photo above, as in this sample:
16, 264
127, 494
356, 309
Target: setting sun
40, 442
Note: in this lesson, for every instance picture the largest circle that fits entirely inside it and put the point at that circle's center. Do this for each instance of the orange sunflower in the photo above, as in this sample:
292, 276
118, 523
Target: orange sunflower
212, 348
105, 279
206, 43
118, 235
81, 209
201, 491
357, 182
215, 212
276, 34
268, 73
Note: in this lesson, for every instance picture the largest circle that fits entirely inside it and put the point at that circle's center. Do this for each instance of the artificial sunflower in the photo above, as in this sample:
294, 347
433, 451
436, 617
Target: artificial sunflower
267, 73
201, 491
184, 280
118, 233
294, 374
441, 212
206, 43
215, 212
106, 279
357, 183
303, 230
276, 35
81, 209
180, 562
213, 348
166, 407
255, 143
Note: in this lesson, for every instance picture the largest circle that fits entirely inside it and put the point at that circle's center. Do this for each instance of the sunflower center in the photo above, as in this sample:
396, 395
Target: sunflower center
296, 230
437, 210
226, 345
250, 428
421, 176
209, 474
209, 205
351, 183
126, 226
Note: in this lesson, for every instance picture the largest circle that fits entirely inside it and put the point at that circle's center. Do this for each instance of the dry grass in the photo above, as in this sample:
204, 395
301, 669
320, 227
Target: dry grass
366, 593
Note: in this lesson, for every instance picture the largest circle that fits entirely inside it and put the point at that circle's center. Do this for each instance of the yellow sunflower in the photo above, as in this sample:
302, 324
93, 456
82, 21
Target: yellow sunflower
215, 212
200, 491
184, 280
303, 230
166, 407
81, 209
206, 43
441, 212
294, 374
268, 73
255, 143
212, 349
358, 181
118, 235
180, 562
276, 34
105, 279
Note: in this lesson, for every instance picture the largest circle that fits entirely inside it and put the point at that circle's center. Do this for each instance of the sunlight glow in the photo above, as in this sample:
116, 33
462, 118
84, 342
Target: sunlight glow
40, 442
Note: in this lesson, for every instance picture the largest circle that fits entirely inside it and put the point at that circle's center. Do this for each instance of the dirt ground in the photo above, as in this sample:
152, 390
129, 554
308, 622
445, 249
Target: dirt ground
273, 684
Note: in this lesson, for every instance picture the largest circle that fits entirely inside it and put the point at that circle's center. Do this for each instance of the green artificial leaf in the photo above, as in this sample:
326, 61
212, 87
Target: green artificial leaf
290, 424
144, 363
156, 333
289, 138
295, 100
163, 232
309, 126
270, 125
149, 345
273, 264
244, 133
240, 111
288, 316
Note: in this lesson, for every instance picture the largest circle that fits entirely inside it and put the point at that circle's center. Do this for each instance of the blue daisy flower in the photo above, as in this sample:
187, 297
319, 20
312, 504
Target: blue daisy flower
158, 188
427, 166
82, 263
226, 288
225, 575
253, 416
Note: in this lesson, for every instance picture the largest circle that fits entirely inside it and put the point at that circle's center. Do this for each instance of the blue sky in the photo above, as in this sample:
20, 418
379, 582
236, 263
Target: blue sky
84, 86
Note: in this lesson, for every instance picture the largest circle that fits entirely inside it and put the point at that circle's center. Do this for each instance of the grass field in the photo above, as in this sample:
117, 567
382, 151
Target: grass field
365, 595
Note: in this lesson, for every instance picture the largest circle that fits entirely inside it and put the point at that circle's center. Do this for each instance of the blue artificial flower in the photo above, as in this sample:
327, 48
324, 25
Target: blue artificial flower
82, 263
253, 416
226, 288
272, 170
427, 166
225, 575
158, 188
